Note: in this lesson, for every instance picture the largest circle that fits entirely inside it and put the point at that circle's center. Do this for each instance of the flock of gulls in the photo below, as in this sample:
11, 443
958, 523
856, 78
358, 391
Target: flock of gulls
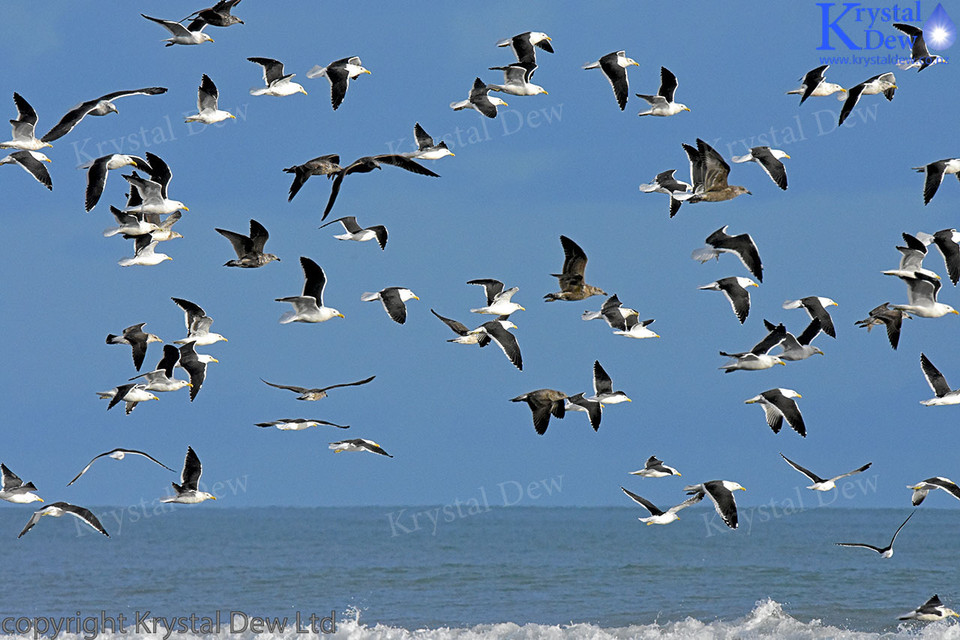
149, 215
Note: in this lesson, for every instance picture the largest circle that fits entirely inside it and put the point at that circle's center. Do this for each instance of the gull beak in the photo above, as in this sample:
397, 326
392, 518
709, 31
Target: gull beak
686, 108
749, 194
452, 153
189, 384
416, 298
753, 284
233, 116
340, 315
549, 38
955, 311
786, 155
214, 360
39, 498
47, 160
782, 362
186, 208
679, 475
303, 91
47, 144
743, 488
368, 71
799, 396
522, 309
168, 258
213, 497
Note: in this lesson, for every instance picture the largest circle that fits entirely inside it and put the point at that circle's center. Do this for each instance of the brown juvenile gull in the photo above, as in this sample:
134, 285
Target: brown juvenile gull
57, 509
708, 173
523, 45
735, 289
188, 492
316, 394
812, 84
887, 316
884, 83
572, 285
249, 248
823, 484
360, 234
393, 299
32, 163
216, 16
367, 164
180, 34
339, 73
543, 403
614, 66
15, 490
117, 454
658, 516
885, 552
479, 100
769, 159
308, 307
779, 405
327, 165
24, 136
97, 107
741, 246
935, 173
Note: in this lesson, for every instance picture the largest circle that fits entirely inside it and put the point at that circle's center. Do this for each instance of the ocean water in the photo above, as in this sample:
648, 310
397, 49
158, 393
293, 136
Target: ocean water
473, 571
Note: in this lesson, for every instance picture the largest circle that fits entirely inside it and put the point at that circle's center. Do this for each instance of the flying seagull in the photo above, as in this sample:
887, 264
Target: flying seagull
945, 395
614, 66
947, 242
137, 338
367, 164
479, 100
572, 285
195, 364
198, 324
32, 163
779, 405
181, 34
393, 299
15, 490
249, 249
708, 173
97, 174
662, 104
499, 301
721, 493
339, 73
657, 516
884, 83
162, 378
309, 307
97, 107
523, 45
741, 246
150, 196
664, 182
654, 468
495, 330
24, 127
934, 175
327, 165
636, 328
921, 489
823, 484
427, 149
922, 297
919, 55
117, 454
517, 80
735, 290
798, 347
758, 358
57, 509
359, 444
208, 111
603, 387
277, 83
216, 16
769, 159
885, 552
317, 394
543, 403
816, 307
592, 408
299, 424
889, 317
359, 234
144, 252
930, 611
911, 257
613, 313
188, 492
130, 394
813, 84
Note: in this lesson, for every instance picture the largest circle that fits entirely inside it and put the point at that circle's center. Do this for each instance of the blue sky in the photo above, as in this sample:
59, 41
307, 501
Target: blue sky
566, 163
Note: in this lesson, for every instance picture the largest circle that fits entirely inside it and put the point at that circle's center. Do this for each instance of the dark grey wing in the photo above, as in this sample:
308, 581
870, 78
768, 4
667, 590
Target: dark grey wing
738, 297
258, 236
373, 447
746, 250
190, 476
861, 544
491, 287
192, 312
194, 367
668, 84
810, 332
458, 327
643, 502
897, 532
617, 76
343, 384
697, 166
574, 260
810, 474
424, 141
121, 392
34, 519
811, 81
89, 464
853, 96
771, 165
314, 279
334, 190
946, 485
788, 407
592, 407
34, 167
287, 387
772, 339
349, 224
934, 378
507, 342
405, 163
817, 310
171, 355
934, 176
242, 245
96, 181
207, 94
146, 91
66, 124
951, 252
602, 383
10, 480
339, 79
381, 232
272, 69
396, 309
723, 501
159, 172
919, 50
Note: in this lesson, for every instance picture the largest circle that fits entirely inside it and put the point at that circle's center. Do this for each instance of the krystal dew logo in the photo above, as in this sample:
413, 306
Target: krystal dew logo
854, 26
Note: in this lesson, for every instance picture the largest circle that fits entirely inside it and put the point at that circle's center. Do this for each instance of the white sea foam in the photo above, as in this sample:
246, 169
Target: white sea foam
766, 620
